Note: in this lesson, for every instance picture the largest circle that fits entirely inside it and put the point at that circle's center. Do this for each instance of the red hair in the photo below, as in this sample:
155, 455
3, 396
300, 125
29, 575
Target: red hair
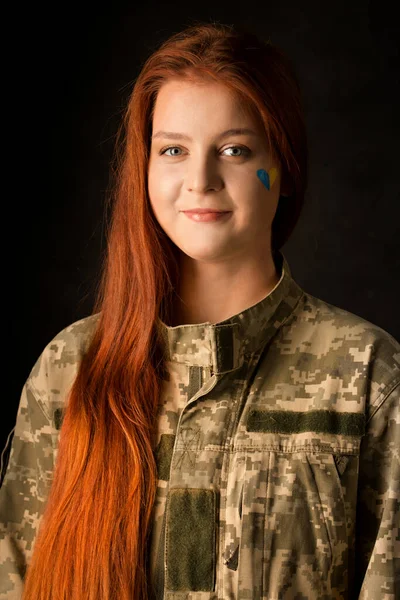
92, 541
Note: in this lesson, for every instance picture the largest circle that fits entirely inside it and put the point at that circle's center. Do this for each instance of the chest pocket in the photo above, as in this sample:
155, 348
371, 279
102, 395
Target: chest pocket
295, 516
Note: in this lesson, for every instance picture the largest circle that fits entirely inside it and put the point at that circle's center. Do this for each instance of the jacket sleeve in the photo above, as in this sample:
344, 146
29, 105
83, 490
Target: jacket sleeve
378, 507
23, 492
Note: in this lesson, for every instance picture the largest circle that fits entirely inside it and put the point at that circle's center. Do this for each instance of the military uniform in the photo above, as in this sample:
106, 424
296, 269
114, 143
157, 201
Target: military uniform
277, 451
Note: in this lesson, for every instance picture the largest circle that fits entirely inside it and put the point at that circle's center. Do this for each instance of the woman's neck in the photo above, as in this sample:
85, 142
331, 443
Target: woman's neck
213, 292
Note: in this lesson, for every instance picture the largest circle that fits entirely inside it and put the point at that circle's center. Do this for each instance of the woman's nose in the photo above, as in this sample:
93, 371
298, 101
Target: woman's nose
203, 175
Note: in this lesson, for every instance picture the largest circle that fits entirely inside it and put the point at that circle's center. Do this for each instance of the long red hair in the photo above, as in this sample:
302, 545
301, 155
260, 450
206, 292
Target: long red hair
92, 541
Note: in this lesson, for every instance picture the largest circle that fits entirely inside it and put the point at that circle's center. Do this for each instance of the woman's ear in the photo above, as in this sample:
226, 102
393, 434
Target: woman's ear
285, 193
287, 187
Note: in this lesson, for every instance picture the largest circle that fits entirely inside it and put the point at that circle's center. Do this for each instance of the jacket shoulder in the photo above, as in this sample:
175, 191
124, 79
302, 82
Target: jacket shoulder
348, 325
348, 346
56, 368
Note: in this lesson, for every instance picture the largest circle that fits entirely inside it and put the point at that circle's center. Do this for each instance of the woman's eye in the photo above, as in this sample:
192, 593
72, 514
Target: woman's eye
170, 148
244, 151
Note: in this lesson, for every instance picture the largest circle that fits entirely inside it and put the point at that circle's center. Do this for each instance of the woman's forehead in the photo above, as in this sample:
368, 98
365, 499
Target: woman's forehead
184, 101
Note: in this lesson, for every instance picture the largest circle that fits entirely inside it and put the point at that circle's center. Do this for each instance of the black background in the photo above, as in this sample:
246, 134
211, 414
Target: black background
68, 74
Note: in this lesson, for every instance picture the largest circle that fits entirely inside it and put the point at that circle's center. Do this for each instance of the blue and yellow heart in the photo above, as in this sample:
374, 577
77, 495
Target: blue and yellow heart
267, 178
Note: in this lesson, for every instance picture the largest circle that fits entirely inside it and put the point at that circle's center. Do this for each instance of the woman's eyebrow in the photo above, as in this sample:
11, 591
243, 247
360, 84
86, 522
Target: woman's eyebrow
182, 136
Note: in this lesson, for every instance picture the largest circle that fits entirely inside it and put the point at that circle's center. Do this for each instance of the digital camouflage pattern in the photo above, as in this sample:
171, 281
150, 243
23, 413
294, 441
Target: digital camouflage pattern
277, 451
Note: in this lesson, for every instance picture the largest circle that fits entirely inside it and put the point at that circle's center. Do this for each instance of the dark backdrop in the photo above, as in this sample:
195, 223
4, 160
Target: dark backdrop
70, 76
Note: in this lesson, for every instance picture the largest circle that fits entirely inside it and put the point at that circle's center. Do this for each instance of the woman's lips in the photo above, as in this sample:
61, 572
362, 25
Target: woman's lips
206, 216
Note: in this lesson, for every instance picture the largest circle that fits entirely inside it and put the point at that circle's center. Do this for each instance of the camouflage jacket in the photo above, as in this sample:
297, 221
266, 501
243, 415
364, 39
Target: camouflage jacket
277, 452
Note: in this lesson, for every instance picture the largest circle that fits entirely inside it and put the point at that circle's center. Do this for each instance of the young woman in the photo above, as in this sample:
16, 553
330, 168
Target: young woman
211, 431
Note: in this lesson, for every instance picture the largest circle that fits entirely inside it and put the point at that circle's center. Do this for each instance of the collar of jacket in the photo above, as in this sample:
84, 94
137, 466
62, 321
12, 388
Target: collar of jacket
222, 346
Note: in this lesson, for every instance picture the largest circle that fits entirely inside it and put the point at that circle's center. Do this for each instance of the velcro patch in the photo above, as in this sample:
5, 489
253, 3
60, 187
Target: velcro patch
163, 455
320, 421
190, 539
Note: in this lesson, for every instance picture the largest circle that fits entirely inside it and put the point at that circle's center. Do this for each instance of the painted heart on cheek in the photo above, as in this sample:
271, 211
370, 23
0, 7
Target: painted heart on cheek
267, 178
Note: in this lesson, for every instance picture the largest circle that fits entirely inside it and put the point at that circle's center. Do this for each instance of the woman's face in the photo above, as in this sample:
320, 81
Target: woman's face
204, 169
